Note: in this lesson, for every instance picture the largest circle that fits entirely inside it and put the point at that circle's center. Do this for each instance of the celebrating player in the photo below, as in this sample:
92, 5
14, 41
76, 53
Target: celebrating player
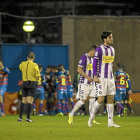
41, 83
3, 85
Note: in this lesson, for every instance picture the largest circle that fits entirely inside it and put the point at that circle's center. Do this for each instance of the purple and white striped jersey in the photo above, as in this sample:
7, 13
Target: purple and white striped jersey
86, 62
105, 58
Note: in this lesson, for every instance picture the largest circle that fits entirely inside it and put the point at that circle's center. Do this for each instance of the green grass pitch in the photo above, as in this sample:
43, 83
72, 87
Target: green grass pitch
57, 128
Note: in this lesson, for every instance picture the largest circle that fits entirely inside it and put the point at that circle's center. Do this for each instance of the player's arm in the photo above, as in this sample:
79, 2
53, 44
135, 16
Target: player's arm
43, 80
37, 72
129, 84
95, 60
6, 70
81, 64
80, 70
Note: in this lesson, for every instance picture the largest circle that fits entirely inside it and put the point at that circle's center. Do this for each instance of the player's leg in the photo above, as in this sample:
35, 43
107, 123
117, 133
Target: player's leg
30, 98
118, 98
100, 92
34, 107
82, 94
52, 102
66, 102
111, 91
1, 105
63, 107
94, 108
34, 102
2, 91
123, 109
92, 94
47, 97
59, 105
126, 102
29, 106
70, 95
24, 101
41, 97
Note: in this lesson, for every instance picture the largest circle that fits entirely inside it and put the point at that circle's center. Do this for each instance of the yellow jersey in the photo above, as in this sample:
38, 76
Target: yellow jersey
30, 70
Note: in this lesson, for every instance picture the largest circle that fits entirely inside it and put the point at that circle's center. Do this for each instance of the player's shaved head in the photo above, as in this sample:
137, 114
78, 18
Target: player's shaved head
31, 55
93, 47
120, 65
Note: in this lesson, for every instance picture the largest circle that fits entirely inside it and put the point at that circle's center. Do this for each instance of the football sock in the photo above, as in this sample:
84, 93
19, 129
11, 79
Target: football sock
21, 110
91, 104
34, 104
76, 107
28, 110
67, 107
110, 110
63, 108
59, 107
95, 108
2, 108
40, 108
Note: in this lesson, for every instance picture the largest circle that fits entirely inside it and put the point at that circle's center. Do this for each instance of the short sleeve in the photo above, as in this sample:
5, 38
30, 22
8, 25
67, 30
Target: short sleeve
98, 53
82, 61
37, 70
20, 66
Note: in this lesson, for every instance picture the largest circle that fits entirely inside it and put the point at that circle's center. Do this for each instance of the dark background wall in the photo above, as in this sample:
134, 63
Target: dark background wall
80, 32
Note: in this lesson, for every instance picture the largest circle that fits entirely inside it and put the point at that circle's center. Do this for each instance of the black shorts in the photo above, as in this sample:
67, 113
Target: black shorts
29, 88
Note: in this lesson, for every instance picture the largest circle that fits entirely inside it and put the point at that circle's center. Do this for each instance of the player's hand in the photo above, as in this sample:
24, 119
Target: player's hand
96, 79
130, 92
90, 79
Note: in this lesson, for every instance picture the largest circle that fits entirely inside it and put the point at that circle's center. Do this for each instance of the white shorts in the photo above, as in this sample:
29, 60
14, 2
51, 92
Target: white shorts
106, 87
85, 90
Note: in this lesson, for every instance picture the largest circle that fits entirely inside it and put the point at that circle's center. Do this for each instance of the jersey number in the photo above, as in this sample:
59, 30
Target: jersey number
63, 81
122, 81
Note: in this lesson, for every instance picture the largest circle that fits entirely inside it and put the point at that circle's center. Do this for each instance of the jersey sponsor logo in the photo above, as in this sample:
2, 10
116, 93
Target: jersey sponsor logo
108, 59
89, 66
80, 61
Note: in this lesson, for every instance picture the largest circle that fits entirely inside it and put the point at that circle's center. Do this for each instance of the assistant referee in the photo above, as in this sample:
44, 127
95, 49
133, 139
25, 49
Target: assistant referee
30, 74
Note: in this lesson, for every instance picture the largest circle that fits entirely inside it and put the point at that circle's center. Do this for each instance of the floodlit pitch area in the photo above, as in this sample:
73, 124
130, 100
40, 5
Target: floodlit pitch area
57, 128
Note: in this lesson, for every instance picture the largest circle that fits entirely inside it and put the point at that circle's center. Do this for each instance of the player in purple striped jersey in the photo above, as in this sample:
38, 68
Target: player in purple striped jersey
102, 71
86, 85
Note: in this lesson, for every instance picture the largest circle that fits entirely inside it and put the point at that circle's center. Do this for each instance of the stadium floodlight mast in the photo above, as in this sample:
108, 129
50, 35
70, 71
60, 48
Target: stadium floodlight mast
28, 27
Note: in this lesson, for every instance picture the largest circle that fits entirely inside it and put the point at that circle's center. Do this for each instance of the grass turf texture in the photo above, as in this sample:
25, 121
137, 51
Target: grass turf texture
57, 128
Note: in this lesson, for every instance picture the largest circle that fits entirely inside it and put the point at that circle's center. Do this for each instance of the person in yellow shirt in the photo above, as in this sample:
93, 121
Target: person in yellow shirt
30, 75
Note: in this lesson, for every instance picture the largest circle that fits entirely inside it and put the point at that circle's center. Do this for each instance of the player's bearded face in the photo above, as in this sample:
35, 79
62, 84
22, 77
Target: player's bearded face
109, 40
